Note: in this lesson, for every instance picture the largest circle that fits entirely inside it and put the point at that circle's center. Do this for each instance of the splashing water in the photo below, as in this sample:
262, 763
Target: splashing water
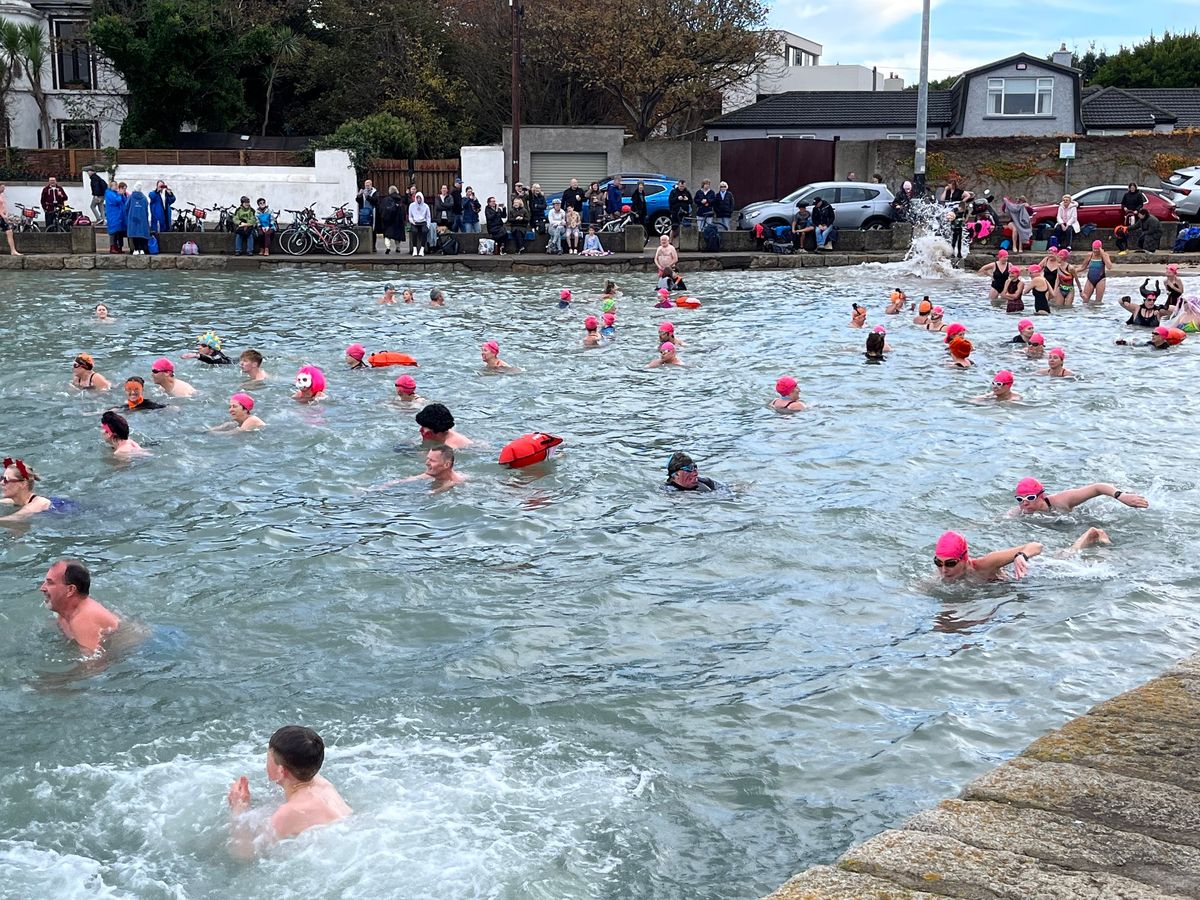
929, 255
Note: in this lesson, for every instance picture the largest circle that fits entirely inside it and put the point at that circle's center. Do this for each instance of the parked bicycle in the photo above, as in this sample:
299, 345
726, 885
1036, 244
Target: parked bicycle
190, 217
67, 219
27, 221
225, 220
296, 241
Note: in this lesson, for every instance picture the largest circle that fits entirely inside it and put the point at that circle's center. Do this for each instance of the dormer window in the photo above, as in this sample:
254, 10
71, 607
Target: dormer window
1020, 96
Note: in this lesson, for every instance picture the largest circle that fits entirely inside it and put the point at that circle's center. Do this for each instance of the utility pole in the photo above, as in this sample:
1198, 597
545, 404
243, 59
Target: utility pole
518, 11
922, 106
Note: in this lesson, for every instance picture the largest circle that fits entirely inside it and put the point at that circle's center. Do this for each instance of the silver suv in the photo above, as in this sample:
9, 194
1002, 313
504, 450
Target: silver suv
1182, 187
856, 204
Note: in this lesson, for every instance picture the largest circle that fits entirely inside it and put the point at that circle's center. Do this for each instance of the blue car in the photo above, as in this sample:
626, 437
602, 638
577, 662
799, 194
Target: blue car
658, 192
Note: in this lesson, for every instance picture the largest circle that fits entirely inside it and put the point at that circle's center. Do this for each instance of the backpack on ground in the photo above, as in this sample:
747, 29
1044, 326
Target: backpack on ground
448, 245
1191, 233
712, 238
779, 247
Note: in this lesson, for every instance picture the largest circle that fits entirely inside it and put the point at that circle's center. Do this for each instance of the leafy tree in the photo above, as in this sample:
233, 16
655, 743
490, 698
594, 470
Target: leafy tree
380, 136
940, 84
1170, 61
285, 48
35, 57
657, 59
10, 65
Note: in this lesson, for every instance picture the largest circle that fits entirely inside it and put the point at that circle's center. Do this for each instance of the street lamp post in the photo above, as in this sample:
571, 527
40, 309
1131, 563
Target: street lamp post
518, 10
922, 107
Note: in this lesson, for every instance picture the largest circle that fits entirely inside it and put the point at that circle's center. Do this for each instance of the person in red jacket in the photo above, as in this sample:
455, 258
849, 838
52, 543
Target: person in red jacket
53, 198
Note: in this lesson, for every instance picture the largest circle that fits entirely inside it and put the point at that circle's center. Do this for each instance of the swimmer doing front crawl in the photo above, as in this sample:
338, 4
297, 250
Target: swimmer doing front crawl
954, 563
294, 757
1032, 497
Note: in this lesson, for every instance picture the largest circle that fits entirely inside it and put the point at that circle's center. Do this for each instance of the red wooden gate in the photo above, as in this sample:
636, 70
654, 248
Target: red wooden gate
427, 174
769, 168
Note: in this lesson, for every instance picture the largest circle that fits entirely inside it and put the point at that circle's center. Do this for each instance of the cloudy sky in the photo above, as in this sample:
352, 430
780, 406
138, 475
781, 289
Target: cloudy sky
968, 33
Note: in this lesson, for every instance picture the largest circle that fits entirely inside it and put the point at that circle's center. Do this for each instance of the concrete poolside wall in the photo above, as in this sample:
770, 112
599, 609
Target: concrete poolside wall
1108, 806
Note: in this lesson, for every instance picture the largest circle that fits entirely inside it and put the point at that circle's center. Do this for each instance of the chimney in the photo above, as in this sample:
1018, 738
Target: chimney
874, 78
893, 82
1062, 56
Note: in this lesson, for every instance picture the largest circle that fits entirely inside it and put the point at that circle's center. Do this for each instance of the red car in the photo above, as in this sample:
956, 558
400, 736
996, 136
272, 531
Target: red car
1101, 206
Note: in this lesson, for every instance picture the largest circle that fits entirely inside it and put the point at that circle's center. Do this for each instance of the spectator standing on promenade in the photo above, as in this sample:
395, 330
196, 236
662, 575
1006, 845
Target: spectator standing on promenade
679, 202
5, 226
161, 201
574, 196
537, 208
365, 200
902, 202
137, 220
1131, 202
245, 220
596, 199
392, 217
614, 197
456, 196
470, 212
98, 188
114, 215
53, 198
637, 205
705, 199
723, 206
443, 207
419, 217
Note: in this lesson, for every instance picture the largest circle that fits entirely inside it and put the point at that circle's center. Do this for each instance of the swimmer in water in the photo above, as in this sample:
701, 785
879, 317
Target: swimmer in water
1002, 388
406, 391
1037, 346
1024, 332
1054, 362
609, 328
936, 323
564, 299
115, 430
163, 372
1068, 280
135, 396
310, 385
439, 470
436, 297
858, 316
437, 426
1160, 339
960, 352
876, 345
998, 270
954, 563
1174, 285
240, 409
881, 330
924, 308
489, 352
789, 395
609, 305
666, 332
666, 357
664, 299
18, 481
591, 327
954, 330
610, 290
1032, 497
1146, 313
1188, 318
102, 316
209, 350
896, 302
389, 295
683, 475
355, 355
1098, 264
84, 375
67, 589
294, 757
251, 364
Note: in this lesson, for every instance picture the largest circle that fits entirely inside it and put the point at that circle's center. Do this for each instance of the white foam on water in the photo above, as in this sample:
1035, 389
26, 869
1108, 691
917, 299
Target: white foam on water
929, 256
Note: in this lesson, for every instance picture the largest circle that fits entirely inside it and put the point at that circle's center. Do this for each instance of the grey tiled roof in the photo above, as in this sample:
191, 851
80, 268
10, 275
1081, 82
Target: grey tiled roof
840, 109
1111, 107
1183, 103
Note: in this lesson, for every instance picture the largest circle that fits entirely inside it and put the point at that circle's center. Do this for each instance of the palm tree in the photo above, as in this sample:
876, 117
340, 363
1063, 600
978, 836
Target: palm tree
10, 67
35, 58
285, 46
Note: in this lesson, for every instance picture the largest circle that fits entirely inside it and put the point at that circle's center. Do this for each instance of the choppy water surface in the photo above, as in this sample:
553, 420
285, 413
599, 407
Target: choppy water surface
561, 683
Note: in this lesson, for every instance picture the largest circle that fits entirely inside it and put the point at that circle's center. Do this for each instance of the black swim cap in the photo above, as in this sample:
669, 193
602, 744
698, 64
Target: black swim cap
436, 418
678, 460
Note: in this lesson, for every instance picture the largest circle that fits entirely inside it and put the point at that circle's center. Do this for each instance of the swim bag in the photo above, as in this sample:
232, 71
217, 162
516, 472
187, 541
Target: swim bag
390, 358
529, 449
1175, 336
687, 302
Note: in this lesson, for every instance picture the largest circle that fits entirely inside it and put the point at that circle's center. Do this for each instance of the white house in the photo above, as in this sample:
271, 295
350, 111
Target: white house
85, 98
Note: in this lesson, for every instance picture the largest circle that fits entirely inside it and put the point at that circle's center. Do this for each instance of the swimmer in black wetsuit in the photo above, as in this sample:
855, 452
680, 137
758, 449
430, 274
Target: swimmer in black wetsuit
135, 387
209, 351
682, 475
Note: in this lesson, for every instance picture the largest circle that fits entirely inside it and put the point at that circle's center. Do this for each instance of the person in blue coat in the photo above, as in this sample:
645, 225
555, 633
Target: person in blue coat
114, 216
137, 220
161, 201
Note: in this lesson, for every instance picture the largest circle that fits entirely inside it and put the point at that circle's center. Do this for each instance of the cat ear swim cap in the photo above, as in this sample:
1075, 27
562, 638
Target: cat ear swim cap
310, 378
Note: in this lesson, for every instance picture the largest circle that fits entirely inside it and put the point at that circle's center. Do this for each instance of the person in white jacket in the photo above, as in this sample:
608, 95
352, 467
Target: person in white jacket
419, 218
1066, 222
556, 218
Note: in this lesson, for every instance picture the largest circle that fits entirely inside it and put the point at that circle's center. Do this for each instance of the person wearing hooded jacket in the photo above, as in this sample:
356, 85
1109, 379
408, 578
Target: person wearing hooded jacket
902, 202
114, 216
419, 217
137, 224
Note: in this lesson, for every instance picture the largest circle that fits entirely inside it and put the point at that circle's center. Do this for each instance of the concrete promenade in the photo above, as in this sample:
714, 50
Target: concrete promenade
1106, 807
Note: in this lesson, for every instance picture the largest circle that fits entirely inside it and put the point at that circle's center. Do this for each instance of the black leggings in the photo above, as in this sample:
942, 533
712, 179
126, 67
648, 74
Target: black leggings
1063, 235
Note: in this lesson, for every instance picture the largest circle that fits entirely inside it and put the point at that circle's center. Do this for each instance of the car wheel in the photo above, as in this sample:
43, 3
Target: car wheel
876, 224
661, 224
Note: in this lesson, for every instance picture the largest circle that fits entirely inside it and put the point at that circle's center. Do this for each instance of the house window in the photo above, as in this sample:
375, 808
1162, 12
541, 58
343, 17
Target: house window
896, 136
72, 55
1020, 96
75, 135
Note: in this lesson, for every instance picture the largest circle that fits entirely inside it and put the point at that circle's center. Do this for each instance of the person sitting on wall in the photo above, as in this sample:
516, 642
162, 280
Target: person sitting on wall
1146, 232
804, 232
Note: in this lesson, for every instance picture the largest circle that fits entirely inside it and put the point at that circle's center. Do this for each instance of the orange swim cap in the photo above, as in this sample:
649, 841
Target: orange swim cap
924, 307
960, 348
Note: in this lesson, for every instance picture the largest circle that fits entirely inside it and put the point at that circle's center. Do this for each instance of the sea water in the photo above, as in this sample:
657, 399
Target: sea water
561, 682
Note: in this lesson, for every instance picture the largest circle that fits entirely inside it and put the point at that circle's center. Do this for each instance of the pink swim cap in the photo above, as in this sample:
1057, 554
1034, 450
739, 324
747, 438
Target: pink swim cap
406, 383
1034, 269
1037, 339
1059, 352
668, 327
1064, 252
1162, 331
1172, 268
1029, 486
951, 545
356, 351
667, 347
1024, 323
490, 345
590, 323
317, 377
162, 364
937, 311
955, 328
245, 401
564, 295
879, 329
609, 318
1014, 270
663, 292
1096, 245
1004, 377
785, 385
1002, 254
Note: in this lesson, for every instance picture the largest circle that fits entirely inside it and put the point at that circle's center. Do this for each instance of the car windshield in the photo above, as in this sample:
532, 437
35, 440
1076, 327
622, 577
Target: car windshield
1177, 178
794, 195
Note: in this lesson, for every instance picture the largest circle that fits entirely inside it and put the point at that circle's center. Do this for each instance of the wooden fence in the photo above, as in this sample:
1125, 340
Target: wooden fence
427, 174
67, 164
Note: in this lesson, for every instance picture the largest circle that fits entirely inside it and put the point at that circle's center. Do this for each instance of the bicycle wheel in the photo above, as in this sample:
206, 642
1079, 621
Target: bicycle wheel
354, 241
295, 243
339, 242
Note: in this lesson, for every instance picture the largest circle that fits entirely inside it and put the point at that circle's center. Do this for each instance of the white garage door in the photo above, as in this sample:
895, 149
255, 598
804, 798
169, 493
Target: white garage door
554, 171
